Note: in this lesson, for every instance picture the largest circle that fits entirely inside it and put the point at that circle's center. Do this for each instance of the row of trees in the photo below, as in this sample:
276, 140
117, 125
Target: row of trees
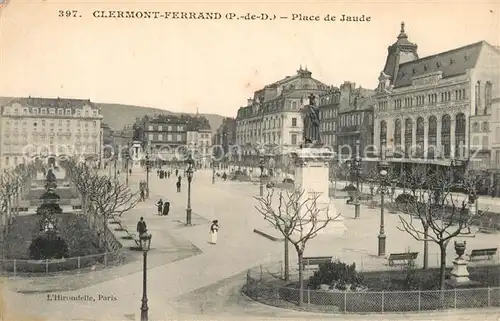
13, 184
102, 197
431, 213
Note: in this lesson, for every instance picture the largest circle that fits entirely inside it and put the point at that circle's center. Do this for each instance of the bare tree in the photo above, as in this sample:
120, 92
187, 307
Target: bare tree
296, 217
83, 177
434, 213
110, 198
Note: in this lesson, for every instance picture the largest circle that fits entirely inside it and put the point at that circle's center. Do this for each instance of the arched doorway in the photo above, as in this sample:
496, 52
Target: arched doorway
432, 137
445, 135
420, 137
408, 136
460, 123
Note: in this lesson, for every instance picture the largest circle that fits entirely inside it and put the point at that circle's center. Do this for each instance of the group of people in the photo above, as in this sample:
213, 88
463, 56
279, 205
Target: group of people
163, 207
162, 173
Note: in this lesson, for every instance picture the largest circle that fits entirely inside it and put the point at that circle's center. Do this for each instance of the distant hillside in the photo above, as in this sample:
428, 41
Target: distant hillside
118, 116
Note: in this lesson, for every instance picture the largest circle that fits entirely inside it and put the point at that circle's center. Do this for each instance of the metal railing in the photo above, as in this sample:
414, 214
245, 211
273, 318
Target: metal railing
17, 267
261, 286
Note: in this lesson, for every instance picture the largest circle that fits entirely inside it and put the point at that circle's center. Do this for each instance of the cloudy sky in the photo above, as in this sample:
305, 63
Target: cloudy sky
181, 65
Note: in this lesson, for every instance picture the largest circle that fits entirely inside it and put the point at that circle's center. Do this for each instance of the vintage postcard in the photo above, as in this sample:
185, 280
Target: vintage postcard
249, 160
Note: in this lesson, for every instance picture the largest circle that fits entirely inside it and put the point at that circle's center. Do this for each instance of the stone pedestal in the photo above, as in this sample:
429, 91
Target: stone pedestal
311, 176
460, 274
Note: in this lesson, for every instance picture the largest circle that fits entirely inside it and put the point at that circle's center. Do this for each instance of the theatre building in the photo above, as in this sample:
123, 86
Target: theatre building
425, 106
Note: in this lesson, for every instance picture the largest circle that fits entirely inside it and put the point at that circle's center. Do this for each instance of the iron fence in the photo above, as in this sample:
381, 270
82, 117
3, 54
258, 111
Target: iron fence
49, 267
263, 284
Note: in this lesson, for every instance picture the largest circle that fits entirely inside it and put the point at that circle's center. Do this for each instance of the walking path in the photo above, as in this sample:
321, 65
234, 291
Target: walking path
238, 249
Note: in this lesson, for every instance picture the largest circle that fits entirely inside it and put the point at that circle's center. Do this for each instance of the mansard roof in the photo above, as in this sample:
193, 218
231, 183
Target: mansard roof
53, 102
451, 63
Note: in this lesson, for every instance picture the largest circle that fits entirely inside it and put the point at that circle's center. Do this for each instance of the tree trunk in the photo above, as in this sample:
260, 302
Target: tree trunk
442, 266
426, 247
301, 277
287, 261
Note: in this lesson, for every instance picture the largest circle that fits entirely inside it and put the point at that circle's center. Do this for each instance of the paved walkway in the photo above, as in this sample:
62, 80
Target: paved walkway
237, 250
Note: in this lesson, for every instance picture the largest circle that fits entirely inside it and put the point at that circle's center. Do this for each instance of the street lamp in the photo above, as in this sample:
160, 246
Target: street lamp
383, 167
213, 173
356, 166
261, 187
147, 174
189, 172
145, 245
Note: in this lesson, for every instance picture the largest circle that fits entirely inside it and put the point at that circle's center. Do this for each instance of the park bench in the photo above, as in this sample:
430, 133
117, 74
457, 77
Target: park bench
315, 261
477, 253
406, 258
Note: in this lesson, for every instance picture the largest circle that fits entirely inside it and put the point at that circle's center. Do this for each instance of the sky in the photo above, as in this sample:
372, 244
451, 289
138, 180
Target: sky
215, 65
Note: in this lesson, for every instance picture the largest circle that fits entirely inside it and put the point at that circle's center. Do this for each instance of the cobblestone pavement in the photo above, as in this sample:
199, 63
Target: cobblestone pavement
237, 250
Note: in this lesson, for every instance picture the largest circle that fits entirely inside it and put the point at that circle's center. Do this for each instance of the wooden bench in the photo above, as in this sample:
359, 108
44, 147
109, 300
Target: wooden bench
489, 253
315, 260
405, 257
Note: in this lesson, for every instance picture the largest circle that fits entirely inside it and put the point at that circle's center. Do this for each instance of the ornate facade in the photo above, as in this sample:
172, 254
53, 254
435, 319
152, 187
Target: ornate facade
271, 122
33, 127
425, 106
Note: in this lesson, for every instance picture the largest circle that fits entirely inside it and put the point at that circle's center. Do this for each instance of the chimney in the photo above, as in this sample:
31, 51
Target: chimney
249, 101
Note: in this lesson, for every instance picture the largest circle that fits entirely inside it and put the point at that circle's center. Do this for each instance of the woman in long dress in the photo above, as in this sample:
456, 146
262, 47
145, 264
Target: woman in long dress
214, 230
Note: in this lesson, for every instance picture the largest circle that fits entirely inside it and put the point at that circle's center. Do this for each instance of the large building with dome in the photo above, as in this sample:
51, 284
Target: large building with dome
271, 122
437, 109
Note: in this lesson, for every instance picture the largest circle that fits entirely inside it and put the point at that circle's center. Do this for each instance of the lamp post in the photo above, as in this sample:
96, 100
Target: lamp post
147, 174
356, 164
261, 187
213, 173
189, 172
145, 245
383, 167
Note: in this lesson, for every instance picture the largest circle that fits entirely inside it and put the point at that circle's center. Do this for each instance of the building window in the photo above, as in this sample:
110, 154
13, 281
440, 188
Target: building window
294, 139
94, 123
487, 97
94, 112
169, 137
43, 122
486, 127
150, 137
160, 128
150, 128
475, 127
160, 137
43, 111
68, 111
179, 137
52, 111
179, 129
478, 97
294, 122
78, 113
7, 161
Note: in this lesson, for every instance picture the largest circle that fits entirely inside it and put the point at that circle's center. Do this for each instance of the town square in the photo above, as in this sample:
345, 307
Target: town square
310, 200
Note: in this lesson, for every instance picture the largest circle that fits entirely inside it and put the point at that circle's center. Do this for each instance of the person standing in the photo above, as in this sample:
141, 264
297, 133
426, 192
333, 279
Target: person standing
159, 206
166, 207
178, 185
214, 231
141, 226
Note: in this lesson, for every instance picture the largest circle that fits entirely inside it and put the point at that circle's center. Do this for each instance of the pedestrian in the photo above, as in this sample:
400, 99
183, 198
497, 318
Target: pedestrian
214, 230
130, 171
166, 207
176, 172
141, 226
142, 196
178, 184
159, 205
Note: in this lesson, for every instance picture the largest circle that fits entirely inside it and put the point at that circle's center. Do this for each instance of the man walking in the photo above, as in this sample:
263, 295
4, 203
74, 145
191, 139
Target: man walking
159, 205
141, 226
166, 207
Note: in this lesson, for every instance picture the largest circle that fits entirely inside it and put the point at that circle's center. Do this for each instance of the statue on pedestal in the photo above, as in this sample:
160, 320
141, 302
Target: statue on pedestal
310, 116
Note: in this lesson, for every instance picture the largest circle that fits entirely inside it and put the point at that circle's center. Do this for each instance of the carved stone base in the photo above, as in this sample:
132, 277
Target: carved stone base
460, 274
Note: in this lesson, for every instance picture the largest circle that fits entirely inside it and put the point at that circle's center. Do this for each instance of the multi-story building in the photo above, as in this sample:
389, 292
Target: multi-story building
32, 127
355, 122
328, 104
271, 121
224, 141
165, 139
425, 106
